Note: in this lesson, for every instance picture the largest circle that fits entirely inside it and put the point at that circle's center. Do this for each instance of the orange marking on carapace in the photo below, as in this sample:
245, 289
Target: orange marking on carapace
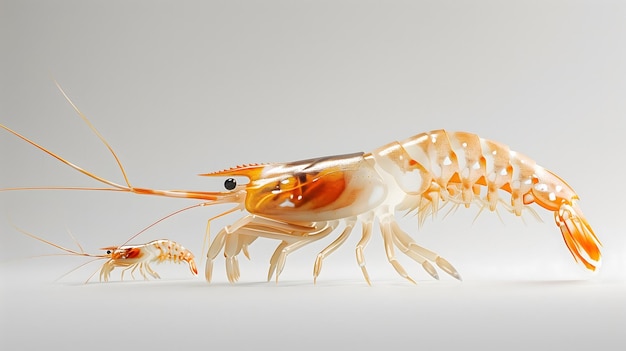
324, 191
133, 253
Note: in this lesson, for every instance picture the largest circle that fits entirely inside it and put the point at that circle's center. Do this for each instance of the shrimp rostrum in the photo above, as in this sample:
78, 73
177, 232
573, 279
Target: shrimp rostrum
133, 257
301, 202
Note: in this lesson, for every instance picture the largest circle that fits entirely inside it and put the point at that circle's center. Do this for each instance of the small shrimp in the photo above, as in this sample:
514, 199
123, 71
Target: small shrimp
301, 202
133, 257
140, 256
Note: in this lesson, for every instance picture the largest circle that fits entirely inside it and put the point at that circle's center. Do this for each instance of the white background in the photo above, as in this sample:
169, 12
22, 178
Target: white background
186, 87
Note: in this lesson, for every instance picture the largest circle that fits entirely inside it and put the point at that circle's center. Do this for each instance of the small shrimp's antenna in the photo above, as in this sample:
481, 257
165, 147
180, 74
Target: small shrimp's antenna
202, 204
70, 251
80, 266
207, 236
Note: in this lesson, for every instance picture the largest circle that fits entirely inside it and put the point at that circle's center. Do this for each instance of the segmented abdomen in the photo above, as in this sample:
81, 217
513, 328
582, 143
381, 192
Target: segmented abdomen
455, 165
167, 250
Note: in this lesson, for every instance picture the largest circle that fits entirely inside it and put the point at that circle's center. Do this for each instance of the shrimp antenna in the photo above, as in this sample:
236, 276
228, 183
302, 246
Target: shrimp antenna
200, 195
75, 240
96, 132
80, 266
202, 204
207, 237
117, 187
70, 251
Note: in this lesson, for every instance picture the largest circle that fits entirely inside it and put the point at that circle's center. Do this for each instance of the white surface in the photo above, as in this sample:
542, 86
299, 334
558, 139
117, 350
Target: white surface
190, 87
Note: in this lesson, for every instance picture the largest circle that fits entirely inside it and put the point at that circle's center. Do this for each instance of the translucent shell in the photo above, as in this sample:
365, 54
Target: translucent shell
324, 188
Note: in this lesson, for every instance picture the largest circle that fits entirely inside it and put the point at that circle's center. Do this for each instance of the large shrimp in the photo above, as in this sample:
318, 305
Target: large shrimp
133, 257
304, 201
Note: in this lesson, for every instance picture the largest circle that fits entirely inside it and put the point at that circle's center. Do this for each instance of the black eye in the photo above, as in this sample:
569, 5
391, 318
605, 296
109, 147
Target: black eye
108, 252
230, 184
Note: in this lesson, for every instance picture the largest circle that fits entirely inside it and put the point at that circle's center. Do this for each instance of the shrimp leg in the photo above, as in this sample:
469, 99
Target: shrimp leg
317, 267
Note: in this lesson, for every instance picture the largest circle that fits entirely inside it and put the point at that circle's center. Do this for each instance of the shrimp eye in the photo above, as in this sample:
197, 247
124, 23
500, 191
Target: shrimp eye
109, 252
230, 184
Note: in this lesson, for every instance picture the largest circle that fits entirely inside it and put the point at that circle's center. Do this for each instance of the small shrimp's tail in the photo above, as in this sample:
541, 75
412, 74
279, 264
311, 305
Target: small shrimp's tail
578, 235
192, 265
187, 256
